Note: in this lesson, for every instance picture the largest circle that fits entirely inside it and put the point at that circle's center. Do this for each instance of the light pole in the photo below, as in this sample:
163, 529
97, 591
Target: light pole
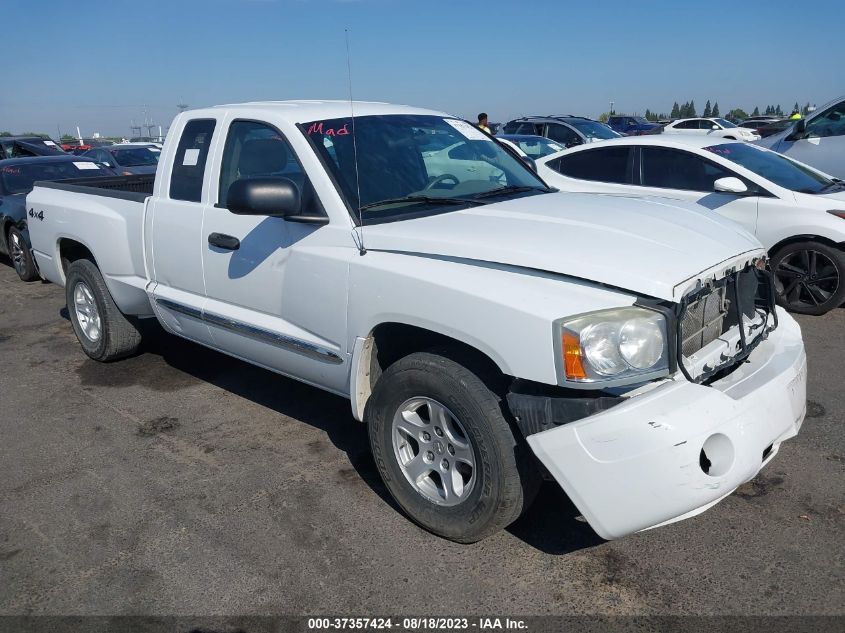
611, 107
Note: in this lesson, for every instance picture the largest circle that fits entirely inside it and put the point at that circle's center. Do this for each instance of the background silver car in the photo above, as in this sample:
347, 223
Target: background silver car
818, 140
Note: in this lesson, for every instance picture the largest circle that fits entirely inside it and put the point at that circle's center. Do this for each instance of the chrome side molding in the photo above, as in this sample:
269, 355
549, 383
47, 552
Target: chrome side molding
283, 341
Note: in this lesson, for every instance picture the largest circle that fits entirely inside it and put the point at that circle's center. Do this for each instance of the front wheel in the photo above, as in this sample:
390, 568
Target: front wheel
809, 277
444, 449
21, 255
103, 331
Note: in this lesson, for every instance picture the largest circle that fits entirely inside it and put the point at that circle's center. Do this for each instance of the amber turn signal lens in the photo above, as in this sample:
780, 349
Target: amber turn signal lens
572, 361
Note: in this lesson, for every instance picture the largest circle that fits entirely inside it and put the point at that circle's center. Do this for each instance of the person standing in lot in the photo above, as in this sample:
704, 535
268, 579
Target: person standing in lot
482, 122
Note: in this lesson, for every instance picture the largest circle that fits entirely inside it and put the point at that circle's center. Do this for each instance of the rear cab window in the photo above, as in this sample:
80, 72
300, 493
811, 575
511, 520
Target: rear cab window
186, 177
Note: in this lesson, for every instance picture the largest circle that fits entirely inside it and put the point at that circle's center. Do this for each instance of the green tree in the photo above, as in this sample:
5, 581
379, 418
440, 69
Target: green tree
796, 107
66, 138
778, 111
806, 109
676, 111
756, 111
5, 133
739, 113
708, 111
715, 112
604, 116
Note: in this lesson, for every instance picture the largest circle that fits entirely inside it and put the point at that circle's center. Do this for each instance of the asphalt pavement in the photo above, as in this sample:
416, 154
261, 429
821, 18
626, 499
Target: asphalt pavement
182, 481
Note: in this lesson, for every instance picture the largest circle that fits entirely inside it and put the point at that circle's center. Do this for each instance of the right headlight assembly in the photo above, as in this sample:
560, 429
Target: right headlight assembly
612, 347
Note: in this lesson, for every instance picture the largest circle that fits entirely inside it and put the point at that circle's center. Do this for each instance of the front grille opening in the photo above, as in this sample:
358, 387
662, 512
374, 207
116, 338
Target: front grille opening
719, 309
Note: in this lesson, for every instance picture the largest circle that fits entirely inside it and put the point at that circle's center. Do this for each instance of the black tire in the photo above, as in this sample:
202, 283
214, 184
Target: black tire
507, 476
21, 255
118, 337
810, 277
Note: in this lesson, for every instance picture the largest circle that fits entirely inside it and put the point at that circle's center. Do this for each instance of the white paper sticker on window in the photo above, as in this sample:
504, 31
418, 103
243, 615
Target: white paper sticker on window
51, 143
469, 131
85, 165
192, 157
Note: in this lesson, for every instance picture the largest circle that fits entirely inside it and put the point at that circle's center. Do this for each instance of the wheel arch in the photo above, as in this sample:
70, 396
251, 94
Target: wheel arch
390, 341
806, 237
70, 250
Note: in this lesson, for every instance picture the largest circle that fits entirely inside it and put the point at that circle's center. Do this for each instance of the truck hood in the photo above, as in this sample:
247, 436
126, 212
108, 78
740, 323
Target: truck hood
649, 246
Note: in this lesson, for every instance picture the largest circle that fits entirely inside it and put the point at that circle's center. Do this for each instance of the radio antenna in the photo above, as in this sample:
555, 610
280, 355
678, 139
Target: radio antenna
361, 249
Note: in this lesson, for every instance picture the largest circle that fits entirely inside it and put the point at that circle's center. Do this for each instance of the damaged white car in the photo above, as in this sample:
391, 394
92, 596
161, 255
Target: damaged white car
485, 327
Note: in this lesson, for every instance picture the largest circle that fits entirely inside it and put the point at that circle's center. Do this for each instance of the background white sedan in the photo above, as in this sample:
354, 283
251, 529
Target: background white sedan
797, 212
714, 127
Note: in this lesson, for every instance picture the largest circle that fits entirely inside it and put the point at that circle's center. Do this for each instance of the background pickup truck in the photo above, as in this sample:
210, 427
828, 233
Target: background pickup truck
487, 329
632, 125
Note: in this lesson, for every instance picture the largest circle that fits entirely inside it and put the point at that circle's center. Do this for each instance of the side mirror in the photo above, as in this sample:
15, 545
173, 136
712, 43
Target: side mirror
278, 197
715, 127
730, 184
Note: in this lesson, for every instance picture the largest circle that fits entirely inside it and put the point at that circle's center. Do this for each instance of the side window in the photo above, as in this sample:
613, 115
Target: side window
675, 169
255, 150
829, 123
704, 124
563, 135
189, 163
603, 165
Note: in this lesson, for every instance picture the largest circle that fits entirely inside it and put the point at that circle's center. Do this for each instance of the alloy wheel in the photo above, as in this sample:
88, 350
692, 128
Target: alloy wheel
434, 451
87, 314
807, 279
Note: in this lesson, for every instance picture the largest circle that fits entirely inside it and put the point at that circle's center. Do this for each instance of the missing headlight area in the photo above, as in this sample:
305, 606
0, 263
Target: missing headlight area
711, 342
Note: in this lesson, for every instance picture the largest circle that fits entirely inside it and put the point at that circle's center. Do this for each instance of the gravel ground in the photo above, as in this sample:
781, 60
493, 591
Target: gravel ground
182, 481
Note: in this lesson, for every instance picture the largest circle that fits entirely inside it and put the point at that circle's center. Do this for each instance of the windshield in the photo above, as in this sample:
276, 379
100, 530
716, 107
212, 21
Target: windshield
724, 123
135, 156
535, 146
775, 167
419, 157
19, 178
594, 130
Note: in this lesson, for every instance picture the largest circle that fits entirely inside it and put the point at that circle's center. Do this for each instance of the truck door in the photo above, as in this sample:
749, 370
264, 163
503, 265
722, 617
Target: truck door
175, 241
276, 294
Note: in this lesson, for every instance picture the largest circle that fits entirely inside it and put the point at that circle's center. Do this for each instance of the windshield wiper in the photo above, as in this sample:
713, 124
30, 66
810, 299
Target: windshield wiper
510, 189
836, 184
419, 198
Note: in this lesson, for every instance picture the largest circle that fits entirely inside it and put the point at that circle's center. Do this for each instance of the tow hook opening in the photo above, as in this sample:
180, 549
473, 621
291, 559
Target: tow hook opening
716, 456
767, 451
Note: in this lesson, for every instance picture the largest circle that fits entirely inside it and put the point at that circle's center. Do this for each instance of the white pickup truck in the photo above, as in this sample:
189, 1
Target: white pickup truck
487, 329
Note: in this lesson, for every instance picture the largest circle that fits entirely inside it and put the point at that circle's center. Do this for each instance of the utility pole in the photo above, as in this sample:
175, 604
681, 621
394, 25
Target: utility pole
611, 107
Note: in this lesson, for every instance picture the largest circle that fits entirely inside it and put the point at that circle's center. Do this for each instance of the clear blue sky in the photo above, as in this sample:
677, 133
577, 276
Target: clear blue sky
96, 63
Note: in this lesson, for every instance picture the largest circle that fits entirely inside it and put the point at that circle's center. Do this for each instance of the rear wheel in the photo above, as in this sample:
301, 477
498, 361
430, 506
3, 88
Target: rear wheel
103, 331
445, 450
21, 255
810, 277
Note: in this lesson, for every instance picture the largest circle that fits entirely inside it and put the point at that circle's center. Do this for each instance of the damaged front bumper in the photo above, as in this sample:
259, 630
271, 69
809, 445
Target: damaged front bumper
675, 450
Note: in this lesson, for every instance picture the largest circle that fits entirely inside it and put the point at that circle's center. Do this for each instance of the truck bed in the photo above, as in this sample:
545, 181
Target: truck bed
135, 188
104, 216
